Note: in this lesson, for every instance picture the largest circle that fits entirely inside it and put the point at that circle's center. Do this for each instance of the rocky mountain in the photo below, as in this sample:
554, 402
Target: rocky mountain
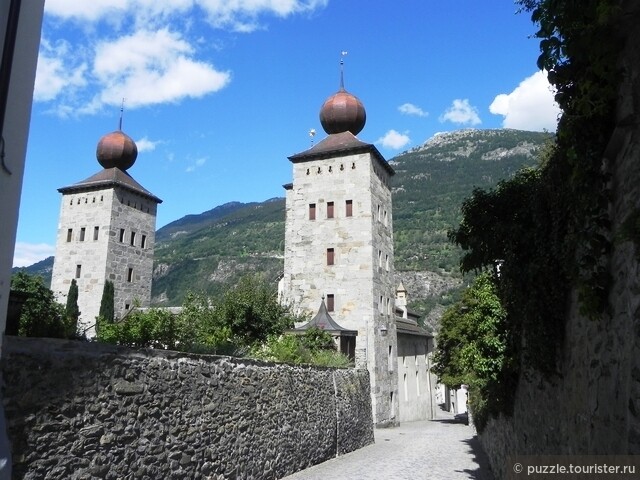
208, 251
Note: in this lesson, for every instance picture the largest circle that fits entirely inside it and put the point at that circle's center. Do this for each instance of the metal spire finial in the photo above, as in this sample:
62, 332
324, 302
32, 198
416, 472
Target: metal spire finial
121, 114
342, 55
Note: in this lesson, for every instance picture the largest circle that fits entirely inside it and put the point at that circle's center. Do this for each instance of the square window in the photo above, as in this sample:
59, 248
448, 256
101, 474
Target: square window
349, 208
330, 256
312, 211
329, 209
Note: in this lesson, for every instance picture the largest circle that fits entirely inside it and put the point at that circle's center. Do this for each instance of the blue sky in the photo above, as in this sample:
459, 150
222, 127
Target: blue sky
219, 92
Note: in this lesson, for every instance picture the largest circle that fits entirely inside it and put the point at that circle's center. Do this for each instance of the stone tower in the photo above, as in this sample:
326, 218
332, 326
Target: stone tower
339, 243
106, 231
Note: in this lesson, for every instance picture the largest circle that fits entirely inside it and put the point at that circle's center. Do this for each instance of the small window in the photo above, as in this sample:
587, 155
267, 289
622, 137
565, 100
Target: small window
330, 302
133, 238
69, 234
122, 235
329, 209
406, 388
380, 304
349, 208
330, 256
379, 258
126, 306
386, 262
82, 232
385, 218
379, 213
390, 358
143, 241
96, 232
417, 384
312, 211
130, 275
78, 271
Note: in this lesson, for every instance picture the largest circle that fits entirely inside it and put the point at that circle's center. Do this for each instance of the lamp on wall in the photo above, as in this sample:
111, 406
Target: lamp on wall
383, 331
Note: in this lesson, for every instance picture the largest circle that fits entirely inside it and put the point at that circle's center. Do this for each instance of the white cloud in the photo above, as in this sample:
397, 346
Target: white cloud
394, 140
530, 106
157, 63
461, 112
148, 68
238, 15
146, 145
56, 74
197, 164
26, 254
411, 109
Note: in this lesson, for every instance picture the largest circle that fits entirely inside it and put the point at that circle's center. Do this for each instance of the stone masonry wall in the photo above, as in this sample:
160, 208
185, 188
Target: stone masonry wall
593, 407
84, 410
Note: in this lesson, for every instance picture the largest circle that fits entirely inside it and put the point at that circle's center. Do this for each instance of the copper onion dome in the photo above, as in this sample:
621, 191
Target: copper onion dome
116, 149
342, 111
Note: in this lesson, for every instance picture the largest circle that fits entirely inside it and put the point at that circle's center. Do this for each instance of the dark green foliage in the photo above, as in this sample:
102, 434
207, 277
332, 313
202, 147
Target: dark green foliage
71, 311
251, 311
517, 224
41, 315
475, 347
107, 306
195, 329
246, 316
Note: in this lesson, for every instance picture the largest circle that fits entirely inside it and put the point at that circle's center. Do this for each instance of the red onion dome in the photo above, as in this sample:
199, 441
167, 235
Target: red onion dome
116, 149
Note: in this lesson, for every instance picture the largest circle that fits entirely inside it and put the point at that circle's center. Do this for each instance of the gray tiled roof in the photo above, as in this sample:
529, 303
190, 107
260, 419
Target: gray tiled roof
323, 321
110, 177
342, 143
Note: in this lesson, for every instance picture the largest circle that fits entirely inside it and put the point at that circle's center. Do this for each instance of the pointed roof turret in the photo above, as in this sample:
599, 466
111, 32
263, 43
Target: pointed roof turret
323, 321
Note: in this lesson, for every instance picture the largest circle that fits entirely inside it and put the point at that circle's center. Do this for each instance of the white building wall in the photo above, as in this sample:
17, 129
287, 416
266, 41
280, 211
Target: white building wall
416, 384
361, 278
91, 261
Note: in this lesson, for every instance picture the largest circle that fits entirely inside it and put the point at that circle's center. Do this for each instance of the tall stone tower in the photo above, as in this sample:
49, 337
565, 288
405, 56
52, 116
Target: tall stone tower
339, 243
106, 231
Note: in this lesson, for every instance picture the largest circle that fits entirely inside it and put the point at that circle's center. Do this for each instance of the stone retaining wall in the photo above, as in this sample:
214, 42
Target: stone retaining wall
83, 410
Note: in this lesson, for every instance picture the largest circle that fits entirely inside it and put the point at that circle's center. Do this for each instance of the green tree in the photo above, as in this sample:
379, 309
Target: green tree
107, 308
71, 311
41, 315
474, 348
251, 311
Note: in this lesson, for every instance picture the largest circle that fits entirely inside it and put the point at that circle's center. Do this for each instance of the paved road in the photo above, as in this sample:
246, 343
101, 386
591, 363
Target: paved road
441, 449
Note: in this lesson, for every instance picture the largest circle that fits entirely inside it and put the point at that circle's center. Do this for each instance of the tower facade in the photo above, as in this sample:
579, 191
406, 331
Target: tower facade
339, 243
106, 231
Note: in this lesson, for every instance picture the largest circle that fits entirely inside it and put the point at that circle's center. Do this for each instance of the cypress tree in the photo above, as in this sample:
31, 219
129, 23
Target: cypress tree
107, 303
72, 312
